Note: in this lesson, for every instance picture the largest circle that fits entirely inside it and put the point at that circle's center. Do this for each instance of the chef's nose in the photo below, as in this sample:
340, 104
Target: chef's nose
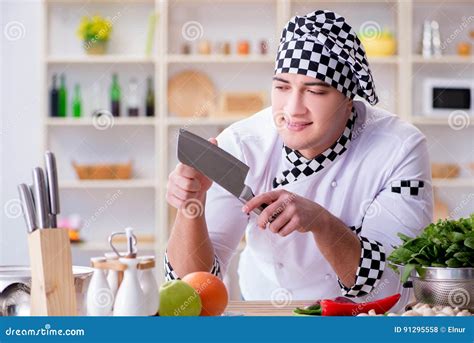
295, 104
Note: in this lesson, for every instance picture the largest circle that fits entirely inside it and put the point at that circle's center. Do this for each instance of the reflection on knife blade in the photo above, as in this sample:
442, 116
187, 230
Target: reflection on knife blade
217, 164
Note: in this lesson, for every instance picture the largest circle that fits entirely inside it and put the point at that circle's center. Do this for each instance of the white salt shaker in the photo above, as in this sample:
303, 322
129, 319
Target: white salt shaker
130, 299
99, 296
150, 286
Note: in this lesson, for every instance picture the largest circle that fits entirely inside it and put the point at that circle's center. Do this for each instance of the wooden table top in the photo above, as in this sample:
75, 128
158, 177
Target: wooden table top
263, 308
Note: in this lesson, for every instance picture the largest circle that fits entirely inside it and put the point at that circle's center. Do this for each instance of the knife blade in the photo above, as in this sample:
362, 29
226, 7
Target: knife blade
217, 164
28, 207
41, 198
52, 187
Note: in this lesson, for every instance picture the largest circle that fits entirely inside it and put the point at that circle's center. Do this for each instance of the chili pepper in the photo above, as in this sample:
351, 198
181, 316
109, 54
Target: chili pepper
335, 308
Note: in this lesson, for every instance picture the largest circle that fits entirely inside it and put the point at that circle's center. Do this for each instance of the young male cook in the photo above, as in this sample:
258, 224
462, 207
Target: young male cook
341, 178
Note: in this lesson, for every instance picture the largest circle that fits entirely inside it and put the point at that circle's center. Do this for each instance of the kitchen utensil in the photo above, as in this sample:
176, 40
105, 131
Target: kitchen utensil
100, 299
191, 93
15, 281
217, 164
28, 206
52, 281
15, 300
444, 286
149, 286
41, 198
130, 300
53, 189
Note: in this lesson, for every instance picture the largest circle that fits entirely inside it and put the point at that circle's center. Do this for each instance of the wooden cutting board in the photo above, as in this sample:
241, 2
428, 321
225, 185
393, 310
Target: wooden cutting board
263, 308
191, 93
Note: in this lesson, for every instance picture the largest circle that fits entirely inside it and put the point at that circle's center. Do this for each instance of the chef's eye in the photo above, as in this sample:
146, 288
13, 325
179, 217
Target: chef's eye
316, 92
279, 87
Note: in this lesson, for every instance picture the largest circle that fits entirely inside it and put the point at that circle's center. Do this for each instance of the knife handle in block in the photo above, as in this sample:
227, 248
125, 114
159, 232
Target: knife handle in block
52, 279
246, 195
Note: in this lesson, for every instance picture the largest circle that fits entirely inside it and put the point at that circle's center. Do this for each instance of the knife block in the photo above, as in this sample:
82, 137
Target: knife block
52, 279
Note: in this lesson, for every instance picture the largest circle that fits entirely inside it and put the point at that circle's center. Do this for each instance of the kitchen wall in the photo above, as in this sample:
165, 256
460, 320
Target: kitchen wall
20, 133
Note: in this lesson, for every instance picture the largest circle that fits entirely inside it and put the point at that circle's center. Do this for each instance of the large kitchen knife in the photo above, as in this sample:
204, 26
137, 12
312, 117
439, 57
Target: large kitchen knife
41, 198
28, 207
217, 164
52, 187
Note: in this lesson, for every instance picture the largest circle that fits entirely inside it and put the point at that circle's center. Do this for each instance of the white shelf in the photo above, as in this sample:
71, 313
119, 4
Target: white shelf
88, 184
99, 59
209, 121
383, 59
447, 59
105, 247
88, 121
458, 182
214, 58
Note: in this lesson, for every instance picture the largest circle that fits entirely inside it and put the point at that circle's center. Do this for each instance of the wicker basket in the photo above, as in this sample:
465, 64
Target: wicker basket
103, 171
444, 170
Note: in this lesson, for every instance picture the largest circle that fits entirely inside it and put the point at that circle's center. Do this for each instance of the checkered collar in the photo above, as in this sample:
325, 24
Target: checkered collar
302, 167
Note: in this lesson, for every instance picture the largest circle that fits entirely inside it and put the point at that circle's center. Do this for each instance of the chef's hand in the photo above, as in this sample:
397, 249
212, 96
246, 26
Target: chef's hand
185, 183
286, 212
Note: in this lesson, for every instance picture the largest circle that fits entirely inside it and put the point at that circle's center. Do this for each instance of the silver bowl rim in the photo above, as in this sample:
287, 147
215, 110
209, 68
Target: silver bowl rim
23, 271
443, 273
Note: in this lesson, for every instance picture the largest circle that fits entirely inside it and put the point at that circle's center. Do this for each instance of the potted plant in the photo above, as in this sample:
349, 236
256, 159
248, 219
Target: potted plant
95, 33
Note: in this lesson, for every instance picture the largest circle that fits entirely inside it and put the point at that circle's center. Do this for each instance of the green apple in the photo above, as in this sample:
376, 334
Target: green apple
177, 298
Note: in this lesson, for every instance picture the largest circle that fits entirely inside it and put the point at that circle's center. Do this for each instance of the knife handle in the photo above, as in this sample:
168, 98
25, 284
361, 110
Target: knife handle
28, 207
246, 195
41, 198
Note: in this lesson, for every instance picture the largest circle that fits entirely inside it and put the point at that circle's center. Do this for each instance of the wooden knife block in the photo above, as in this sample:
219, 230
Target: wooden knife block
52, 279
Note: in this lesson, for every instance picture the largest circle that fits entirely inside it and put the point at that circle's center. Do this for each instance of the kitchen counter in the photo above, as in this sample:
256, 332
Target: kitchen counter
263, 308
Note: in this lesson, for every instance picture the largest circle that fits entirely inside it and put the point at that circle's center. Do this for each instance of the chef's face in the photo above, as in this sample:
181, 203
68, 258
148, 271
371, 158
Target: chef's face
310, 114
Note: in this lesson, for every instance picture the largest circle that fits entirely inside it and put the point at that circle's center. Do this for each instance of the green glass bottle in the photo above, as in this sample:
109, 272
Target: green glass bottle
115, 95
62, 97
77, 102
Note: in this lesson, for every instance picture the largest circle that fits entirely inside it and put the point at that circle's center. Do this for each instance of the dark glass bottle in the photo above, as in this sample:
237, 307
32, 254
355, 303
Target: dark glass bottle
150, 99
53, 98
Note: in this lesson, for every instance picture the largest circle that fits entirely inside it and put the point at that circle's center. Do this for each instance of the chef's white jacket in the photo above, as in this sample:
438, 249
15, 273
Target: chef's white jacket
380, 186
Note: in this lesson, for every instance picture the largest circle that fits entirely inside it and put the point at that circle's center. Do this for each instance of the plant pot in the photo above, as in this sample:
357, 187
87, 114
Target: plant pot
95, 47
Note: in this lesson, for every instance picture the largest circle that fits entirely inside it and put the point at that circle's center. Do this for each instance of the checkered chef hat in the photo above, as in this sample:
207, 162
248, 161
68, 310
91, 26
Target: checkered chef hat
322, 45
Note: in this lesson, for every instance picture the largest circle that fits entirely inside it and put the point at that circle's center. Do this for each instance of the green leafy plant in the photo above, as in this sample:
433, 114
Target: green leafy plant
447, 243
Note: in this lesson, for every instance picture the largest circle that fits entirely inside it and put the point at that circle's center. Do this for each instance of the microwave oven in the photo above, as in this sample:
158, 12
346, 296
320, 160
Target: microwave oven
443, 96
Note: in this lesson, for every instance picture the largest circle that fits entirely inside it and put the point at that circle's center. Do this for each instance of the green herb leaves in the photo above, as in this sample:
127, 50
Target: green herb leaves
447, 243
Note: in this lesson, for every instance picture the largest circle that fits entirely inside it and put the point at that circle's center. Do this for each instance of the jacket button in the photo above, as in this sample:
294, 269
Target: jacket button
280, 265
327, 276
334, 184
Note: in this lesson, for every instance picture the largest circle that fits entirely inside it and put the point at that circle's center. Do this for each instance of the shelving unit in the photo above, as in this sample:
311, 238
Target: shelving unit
394, 73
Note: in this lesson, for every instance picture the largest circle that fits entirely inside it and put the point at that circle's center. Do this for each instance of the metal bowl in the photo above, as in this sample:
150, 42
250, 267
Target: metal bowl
15, 282
445, 286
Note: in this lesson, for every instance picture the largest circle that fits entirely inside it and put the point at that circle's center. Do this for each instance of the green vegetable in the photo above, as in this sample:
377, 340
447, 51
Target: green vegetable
447, 243
310, 310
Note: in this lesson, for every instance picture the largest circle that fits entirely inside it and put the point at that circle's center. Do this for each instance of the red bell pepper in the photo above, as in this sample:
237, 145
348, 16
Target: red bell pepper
337, 308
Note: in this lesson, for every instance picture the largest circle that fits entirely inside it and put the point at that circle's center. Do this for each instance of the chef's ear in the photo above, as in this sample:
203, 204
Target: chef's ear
213, 140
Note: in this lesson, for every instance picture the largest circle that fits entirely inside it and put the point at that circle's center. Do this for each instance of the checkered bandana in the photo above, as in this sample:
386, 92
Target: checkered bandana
303, 167
322, 45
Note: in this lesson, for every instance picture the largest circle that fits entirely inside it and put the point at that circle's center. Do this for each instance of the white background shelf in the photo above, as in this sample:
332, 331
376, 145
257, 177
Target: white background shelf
397, 78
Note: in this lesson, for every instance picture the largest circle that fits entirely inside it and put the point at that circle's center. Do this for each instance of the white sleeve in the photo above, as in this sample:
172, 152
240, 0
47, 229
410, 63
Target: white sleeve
404, 204
225, 220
